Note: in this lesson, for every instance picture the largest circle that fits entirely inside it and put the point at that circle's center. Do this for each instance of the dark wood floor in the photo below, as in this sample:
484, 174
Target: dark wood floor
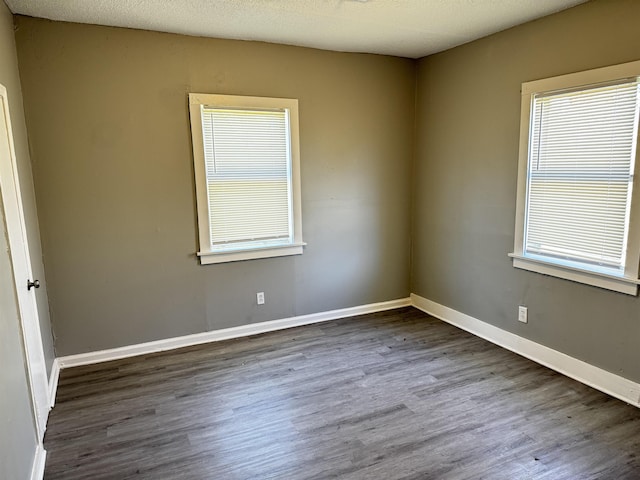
395, 395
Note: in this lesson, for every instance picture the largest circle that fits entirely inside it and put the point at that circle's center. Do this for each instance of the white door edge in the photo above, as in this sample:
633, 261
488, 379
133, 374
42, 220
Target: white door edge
16, 228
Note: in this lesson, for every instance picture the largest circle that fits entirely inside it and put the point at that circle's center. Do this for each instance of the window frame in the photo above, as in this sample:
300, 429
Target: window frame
627, 282
197, 101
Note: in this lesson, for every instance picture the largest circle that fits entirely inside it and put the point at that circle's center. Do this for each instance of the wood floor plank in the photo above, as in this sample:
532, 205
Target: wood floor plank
393, 395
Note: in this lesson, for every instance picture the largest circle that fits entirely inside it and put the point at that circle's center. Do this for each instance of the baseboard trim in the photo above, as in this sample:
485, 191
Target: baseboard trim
225, 334
37, 469
607, 382
53, 382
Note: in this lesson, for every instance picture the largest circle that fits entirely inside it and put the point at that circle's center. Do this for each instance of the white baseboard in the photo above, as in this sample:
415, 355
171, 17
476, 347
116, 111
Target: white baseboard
37, 469
224, 334
53, 382
607, 382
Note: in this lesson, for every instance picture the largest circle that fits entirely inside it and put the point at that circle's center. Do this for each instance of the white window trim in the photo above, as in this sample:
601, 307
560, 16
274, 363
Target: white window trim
625, 284
206, 255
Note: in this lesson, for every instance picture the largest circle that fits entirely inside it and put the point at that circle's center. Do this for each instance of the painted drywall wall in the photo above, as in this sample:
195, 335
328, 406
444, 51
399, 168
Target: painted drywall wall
107, 115
10, 79
18, 437
468, 119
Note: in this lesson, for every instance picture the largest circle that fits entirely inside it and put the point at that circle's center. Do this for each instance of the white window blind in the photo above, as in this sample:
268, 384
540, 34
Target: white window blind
248, 176
580, 171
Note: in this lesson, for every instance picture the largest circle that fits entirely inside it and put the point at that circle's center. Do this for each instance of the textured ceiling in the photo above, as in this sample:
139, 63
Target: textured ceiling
406, 28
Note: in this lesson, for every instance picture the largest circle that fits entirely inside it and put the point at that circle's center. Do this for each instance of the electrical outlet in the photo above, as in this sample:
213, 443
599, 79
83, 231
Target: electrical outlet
522, 314
260, 298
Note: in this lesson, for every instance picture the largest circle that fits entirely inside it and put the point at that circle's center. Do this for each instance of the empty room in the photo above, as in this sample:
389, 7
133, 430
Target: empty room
316, 239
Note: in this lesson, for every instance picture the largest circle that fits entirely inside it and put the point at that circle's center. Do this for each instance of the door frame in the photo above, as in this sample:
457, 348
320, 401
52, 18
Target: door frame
22, 272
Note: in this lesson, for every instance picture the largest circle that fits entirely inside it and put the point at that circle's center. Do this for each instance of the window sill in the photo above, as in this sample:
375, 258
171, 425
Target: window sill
597, 279
207, 258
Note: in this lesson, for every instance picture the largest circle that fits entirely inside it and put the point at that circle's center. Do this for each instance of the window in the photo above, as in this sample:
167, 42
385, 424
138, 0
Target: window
578, 211
247, 169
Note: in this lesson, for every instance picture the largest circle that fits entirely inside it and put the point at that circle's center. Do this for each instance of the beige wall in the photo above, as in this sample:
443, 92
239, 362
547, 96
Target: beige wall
465, 184
17, 427
107, 116
10, 78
